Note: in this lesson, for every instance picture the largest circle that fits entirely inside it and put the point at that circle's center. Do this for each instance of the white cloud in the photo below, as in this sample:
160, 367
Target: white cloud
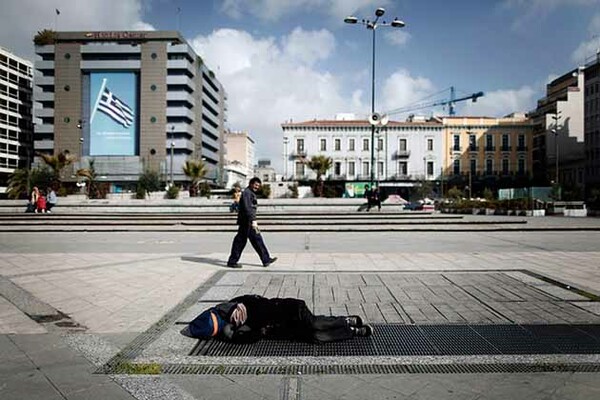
401, 90
589, 48
269, 82
22, 19
397, 37
271, 10
309, 47
501, 102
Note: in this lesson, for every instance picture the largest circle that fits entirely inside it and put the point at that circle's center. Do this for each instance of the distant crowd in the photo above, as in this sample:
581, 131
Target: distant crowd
41, 201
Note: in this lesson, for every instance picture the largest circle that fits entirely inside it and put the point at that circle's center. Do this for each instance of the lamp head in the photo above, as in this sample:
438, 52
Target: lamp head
380, 11
396, 23
350, 20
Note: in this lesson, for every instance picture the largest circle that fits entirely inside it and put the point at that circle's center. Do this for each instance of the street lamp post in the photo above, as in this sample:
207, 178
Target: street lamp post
373, 25
172, 150
556, 117
286, 140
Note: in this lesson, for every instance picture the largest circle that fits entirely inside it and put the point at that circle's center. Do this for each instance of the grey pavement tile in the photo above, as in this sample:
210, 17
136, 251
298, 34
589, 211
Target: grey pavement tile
108, 390
230, 387
30, 385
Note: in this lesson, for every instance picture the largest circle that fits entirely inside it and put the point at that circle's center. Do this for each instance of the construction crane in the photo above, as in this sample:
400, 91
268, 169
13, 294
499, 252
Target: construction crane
447, 102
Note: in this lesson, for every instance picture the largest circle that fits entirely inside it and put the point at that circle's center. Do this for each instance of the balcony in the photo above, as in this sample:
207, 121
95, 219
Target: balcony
505, 148
299, 154
473, 148
455, 148
401, 154
490, 148
521, 148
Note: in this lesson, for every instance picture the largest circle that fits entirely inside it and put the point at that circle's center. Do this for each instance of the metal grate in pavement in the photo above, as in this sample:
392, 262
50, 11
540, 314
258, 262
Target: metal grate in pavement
424, 340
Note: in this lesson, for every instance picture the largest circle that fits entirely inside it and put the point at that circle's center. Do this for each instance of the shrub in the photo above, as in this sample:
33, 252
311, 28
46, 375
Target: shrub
264, 192
140, 192
173, 192
205, 190
149, 181
294, 189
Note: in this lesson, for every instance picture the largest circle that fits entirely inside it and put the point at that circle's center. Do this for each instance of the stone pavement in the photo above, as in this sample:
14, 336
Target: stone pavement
89, 307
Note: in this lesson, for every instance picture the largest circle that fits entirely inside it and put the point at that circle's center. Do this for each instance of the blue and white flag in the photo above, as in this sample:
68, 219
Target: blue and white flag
117, 110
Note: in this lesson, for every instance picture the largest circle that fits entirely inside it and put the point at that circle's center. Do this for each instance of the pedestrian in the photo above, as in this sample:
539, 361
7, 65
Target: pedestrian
249, 318
248, 228
375, 198
368, 196
235, 203
41, 203
51, 200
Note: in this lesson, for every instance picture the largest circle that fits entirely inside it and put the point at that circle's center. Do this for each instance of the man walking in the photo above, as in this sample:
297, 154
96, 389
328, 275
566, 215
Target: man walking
248, 228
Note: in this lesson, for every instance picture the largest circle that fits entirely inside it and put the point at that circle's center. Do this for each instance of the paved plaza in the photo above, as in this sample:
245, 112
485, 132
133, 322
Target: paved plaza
98, 325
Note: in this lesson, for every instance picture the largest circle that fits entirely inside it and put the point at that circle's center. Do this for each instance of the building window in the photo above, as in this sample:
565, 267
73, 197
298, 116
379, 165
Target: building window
351, 145
456, 167
521, 166
351, 170
472, 142
402, 145
456, 143
473, 167
365, 168
300, 169
489, 142
337, 144
365, 146
299, 146
505, 144
337, 168
379, 144
489, 166
380, 169
403, 168
505, 166
323, 144
521, 143
429, 168
429, 144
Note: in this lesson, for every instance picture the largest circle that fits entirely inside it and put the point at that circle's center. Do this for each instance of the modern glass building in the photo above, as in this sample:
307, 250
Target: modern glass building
131, 101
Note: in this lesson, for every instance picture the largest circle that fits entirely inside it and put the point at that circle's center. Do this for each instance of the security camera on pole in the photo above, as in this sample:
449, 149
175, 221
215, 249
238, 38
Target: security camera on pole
373, 25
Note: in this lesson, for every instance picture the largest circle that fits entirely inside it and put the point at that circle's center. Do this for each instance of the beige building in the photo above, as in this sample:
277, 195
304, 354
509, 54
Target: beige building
485, 147
239, 157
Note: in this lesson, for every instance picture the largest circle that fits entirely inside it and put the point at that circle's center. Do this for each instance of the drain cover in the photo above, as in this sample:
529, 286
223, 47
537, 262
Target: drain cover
424, 340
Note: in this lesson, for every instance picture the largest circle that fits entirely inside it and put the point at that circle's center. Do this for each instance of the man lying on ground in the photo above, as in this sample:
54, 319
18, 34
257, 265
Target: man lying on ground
248, 318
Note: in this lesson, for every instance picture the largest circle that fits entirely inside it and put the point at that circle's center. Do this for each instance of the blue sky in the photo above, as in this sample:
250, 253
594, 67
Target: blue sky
296, 59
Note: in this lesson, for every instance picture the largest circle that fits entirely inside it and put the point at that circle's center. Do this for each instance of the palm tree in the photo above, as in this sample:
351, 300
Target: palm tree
89, 174
195, 170
320, 164
57, 163
45, 36
22, 180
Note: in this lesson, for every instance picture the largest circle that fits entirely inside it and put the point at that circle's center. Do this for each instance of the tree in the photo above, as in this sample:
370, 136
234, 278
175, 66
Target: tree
320, 164
89, 174
57, 163
45, 36
23, 180
195, 170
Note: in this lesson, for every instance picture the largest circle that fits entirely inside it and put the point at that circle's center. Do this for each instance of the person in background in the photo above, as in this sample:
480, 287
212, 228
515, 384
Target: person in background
248, 318
41, 203
375, 199
248, 228
51, 200
237, 195
33, 198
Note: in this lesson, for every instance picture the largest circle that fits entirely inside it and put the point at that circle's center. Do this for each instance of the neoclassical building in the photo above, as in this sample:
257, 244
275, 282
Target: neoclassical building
404, 151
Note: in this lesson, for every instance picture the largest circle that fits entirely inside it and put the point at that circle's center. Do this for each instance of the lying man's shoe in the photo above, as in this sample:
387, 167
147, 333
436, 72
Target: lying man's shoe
236, 265
364, 331
354, 320
271, 261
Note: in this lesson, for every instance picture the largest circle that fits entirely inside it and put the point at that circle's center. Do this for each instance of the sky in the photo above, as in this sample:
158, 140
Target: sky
282, 60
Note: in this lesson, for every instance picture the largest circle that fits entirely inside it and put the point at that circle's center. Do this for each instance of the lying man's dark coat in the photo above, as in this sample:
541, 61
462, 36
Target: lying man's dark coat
284, 318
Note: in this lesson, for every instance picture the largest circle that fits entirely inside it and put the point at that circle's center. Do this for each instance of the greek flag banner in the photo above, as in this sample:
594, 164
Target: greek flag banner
117, 110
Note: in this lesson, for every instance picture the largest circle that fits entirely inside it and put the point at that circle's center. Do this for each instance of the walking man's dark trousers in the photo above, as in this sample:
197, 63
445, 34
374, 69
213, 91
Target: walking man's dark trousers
247, 232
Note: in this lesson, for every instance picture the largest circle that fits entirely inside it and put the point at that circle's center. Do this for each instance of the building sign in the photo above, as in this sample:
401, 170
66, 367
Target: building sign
112, 35
113, 113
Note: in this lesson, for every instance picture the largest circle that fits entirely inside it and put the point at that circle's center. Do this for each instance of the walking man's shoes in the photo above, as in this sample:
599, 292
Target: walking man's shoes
271, 261
354, 320
234, 265
364, 331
